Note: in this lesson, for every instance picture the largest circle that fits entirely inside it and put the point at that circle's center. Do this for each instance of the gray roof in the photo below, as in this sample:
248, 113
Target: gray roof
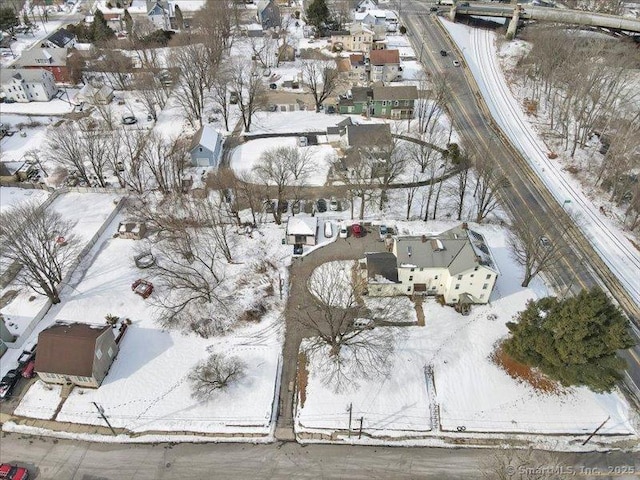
403, 92
452, 249
26, 74
53, 57
60, 37
382, 264
368, 135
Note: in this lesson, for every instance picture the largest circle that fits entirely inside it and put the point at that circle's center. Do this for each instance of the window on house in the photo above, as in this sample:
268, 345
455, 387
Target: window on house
408, 289
459, 277
471, 275
421, 269
396, 103
413, 269
411, 278
457, 286
489, 277
349, 109
485, 286
200, 149
98, 354
436, 277
384, 103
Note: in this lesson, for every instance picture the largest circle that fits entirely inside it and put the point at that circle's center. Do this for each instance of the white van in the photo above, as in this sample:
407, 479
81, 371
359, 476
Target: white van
303, 141
328, 230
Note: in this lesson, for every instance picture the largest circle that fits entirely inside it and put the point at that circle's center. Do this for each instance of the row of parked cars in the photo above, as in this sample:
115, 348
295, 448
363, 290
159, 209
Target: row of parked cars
25, 369
321, 205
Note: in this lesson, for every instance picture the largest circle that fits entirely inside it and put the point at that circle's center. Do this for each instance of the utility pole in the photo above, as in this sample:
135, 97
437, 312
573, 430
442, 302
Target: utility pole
104, 417
360, 433
595, 431
350, 412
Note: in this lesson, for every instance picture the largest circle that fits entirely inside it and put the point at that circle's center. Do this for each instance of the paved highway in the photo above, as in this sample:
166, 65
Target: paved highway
68, 460
527, 198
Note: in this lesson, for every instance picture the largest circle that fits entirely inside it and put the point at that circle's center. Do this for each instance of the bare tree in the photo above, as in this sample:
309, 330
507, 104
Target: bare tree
490, 183
357, 177
531, 249
193, 63
218, 372
220, 92
321, 78
459, 189
250, 192
166, 159
345, 345
129, 159
283, 168
65, 148
43, 243
247, 83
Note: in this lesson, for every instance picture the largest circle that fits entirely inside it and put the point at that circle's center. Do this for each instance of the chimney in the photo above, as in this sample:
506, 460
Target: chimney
424, 239
409, 250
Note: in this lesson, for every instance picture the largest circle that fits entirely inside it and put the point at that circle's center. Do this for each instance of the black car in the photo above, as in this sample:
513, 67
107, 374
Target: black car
321, 205
297, 249
8, 383
433, 9
330, 110
443, 53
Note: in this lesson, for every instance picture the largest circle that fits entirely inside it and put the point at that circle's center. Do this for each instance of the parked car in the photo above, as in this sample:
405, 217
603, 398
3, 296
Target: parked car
433, 9
28, 371
321, 205
303, 141
129, 120
357, 230
273, 86
330, 110
8, 383
443, 53
269, 206
333, 204
297, 249
13, 472
328, 229
284, 206
545, 242
233, 98
456, 63
383, 231
344, 231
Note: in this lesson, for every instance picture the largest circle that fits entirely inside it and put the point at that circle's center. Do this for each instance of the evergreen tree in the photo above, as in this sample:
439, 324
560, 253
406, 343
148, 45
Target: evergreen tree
101, 30
318, 14
573, 341
8, 19
128, 22
179, 17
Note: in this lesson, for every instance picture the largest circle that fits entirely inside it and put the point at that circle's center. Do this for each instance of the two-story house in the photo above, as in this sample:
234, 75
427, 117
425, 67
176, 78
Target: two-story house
75, 353
358, 39
55, 60
268, 14
384, 65
354, 67
28, 85
456, 264
395, 102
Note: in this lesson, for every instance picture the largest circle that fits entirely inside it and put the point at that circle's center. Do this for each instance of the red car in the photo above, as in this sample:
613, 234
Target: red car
12, 472
28, 369
356, 230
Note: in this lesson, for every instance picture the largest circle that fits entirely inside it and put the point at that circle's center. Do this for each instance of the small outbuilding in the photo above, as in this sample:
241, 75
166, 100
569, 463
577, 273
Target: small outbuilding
132, 230
206, 148
75, 353
302, 230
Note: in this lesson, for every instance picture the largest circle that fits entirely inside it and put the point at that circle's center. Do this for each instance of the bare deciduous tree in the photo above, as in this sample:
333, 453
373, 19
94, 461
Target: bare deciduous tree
43, 243
193, 63
166, 159
65, 148
247, 83
321, 78
531, 249
218, 372
490, 182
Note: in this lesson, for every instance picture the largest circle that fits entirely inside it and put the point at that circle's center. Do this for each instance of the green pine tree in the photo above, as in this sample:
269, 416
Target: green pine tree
100, 29
318, 14
179, 17
573, 341
8, 19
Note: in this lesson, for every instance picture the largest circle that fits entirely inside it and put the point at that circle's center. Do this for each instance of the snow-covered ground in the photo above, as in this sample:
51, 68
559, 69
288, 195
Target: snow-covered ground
247, 155
12, 196
609, 241
147, 388
471, 391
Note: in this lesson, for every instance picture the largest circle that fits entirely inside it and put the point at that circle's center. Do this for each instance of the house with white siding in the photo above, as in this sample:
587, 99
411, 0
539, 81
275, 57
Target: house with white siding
456, 265
28, 85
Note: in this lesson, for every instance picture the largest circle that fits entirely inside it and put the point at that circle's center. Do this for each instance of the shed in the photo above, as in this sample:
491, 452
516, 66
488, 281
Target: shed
206, 148
302, 230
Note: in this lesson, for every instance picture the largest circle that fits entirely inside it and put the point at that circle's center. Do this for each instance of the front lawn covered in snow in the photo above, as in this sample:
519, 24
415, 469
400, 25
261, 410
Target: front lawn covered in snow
468, 389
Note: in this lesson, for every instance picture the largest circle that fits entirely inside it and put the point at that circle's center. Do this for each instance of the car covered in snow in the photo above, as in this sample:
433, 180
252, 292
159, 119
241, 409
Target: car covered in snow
8, 383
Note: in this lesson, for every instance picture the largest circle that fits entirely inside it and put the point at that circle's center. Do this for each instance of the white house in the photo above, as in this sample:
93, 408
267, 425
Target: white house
160, 16
302, 230
94, 93
28, 85
455, 264
384, 65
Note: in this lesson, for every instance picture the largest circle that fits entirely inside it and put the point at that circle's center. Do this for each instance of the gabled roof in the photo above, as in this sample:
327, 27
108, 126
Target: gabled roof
50, 57
359, 28
384, 57
61, 37
403, 92
206, 137
68, 349
22, 74
370, 134
302, 225
157, 9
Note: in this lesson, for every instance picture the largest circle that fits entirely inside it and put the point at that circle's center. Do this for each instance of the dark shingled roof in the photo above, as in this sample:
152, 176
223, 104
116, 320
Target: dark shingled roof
382, 264
68, 349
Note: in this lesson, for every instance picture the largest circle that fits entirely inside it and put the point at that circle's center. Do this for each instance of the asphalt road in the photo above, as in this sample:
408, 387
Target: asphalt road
527, 198
68, 460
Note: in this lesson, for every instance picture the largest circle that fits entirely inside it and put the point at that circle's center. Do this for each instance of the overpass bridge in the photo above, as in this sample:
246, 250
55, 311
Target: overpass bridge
544, 14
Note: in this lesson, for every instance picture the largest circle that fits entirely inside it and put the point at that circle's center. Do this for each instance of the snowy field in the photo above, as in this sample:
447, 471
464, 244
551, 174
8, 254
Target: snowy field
89, 211
293, 122
12, 196
14, 148
55, 106
609, 241
146, 388
247, 155
470, 390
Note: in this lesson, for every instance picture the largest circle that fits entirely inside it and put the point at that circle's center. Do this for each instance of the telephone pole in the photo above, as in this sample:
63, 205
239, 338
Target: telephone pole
104, 417
350, 412
595, 431
360, 433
